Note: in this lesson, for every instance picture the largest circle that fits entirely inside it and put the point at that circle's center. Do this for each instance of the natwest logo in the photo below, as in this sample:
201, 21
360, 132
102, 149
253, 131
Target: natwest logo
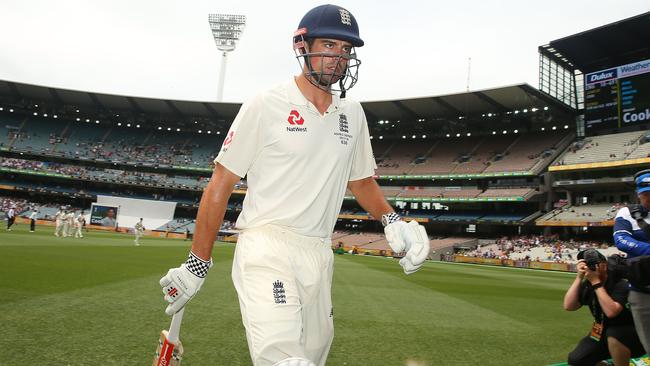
295, 118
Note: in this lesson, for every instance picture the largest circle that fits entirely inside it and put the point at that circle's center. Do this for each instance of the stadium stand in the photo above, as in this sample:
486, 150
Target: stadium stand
604, 148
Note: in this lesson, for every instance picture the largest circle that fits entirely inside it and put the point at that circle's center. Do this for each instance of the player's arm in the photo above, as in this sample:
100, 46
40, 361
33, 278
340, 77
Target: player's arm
212, 209
572, 295
370, 197
182, 283
624, 239
410, 238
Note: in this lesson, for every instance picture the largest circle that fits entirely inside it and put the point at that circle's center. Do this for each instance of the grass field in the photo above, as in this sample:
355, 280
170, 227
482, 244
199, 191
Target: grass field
96, 301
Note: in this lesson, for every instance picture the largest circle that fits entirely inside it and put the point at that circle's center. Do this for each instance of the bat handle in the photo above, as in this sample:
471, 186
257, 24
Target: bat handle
175, 326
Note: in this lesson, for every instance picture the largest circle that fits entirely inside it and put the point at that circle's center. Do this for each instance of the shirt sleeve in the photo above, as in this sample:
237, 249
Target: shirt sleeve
363, 163
624, 235
243, 143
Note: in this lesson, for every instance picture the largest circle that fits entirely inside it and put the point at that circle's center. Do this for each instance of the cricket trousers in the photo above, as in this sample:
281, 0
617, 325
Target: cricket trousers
284, 284
640, 307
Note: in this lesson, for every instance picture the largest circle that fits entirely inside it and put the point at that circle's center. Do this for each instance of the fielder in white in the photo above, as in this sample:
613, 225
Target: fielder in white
301, 145
138, 231
59, 218
70, 218
78, 225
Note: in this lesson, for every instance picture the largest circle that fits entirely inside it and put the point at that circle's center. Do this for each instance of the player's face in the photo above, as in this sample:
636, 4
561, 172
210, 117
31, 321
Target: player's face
644, 199
110, 213
331, 59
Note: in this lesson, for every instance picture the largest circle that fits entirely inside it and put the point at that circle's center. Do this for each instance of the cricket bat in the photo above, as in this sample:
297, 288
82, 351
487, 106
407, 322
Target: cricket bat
170, 349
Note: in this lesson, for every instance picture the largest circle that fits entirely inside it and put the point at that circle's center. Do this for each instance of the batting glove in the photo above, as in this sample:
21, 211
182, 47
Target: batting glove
410, 238
181, 284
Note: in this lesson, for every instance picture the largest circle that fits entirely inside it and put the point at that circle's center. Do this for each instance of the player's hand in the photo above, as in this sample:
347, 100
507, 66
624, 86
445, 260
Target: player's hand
180, 284
410, 238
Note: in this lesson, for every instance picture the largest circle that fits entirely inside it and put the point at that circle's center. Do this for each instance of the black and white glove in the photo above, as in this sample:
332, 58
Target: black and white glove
410, 238
181, 284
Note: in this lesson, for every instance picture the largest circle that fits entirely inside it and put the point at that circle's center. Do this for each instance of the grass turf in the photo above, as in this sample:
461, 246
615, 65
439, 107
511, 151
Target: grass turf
96, 301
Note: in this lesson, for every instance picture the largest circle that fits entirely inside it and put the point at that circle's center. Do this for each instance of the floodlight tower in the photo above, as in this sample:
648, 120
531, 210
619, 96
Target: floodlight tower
226, 30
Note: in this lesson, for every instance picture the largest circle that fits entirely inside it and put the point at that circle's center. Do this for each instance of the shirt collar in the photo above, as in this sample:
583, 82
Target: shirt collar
297, 98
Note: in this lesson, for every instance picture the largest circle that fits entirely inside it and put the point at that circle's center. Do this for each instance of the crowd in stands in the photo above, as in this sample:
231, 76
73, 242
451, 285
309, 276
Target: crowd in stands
538, 248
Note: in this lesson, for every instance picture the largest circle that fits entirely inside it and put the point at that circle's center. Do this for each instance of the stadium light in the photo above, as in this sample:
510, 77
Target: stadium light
128, 125
169, 128
87, 120
505, 132
44, 114
554, 128
447, 135
119, 123
413, 137
381, 137
516, 131
200, 131
546, 108
55, 116
209, 132
457, 135
226, 31
78, 119
494, 132
543, 128
159, 128
371, 137
178, 130
403, 136
566, 127
11, 110
1, 109
36, 113
137, 126
35, 105
424, 136
218, 132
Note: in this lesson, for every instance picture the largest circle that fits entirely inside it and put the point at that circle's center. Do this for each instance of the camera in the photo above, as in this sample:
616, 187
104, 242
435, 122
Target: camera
592, 257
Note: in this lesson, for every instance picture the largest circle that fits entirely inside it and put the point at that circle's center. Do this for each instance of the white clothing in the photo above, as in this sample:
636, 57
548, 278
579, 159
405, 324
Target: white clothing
298, 162
284, 282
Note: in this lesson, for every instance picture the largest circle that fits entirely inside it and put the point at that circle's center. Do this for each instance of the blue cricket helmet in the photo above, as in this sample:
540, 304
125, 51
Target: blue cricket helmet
331, 21
642, 181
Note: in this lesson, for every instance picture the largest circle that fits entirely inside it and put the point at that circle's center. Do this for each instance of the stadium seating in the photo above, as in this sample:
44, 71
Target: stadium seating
528, 152
471, 155
591, 212
603, 148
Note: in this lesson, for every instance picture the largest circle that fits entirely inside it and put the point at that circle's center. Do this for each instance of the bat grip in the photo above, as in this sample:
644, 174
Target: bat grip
175, 326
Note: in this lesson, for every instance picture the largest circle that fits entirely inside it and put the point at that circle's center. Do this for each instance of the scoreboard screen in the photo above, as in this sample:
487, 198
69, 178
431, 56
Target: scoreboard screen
617, 97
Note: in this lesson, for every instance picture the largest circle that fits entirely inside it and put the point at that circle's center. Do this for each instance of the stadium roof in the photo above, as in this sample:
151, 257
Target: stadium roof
451, 106
614, 44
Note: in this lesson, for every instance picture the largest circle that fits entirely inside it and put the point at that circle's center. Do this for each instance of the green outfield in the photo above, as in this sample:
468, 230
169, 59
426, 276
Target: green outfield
96, 301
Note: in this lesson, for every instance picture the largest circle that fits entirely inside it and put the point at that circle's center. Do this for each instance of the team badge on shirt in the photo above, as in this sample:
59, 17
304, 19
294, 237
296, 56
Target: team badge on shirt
343, 134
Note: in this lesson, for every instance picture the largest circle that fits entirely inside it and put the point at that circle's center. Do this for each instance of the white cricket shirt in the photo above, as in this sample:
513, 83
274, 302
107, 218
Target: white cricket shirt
298, 162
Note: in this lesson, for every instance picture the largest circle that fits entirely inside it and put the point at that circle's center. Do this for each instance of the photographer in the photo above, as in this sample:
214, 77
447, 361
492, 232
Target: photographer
612, 334
632, 235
